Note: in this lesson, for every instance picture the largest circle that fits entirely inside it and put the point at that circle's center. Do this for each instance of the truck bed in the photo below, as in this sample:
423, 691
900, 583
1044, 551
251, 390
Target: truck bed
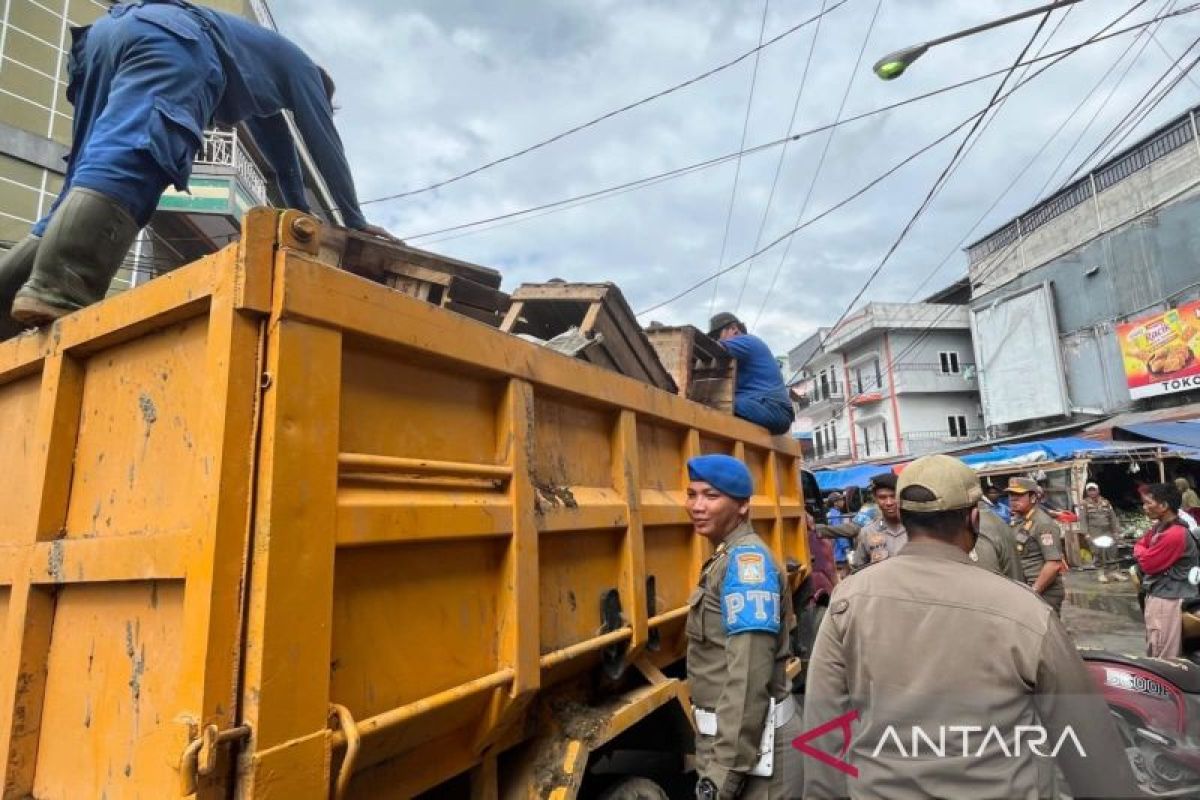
271, 528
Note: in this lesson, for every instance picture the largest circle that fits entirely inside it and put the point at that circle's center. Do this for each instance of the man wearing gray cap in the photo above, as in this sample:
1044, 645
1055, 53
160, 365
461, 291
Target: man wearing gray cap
760, 395
930, 676
738, 646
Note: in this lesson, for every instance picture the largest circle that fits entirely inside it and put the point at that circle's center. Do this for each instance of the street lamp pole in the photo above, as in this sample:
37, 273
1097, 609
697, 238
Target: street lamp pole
893, 64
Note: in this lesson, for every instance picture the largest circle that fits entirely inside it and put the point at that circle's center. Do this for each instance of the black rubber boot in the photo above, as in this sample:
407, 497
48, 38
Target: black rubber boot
15, 268
81, 251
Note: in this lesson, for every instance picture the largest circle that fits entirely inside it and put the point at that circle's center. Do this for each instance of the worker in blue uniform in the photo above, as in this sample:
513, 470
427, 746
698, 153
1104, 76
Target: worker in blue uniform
759, 395
146, 80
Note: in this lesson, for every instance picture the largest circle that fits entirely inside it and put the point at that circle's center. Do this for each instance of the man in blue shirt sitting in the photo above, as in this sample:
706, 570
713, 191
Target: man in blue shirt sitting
760, 395
146, 80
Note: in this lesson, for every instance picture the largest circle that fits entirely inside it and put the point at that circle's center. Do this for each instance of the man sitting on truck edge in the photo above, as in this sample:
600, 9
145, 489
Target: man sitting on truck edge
738, 646
145, 81
760, 395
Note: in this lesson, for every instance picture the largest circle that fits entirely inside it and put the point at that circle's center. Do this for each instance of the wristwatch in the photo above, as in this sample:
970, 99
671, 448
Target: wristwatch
706, 790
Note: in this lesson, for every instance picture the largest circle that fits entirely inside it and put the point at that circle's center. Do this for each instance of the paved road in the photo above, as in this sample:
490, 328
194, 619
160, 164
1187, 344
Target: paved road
1104, 615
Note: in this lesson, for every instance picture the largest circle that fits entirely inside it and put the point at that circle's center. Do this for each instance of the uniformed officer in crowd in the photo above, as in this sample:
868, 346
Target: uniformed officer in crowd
995, 549
1036, 534
878, 533
928, 640
738, 638
884, 536
1098, 518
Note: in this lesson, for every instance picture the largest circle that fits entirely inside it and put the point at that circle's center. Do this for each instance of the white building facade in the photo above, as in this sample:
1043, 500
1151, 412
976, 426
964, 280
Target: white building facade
895, 380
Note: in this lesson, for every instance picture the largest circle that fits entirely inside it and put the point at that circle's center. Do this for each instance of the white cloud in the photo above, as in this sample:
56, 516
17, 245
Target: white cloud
430, 88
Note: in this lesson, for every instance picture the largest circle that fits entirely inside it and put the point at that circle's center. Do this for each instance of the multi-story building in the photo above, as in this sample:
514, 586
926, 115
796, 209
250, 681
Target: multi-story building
1086, 304
894, 380
35, 135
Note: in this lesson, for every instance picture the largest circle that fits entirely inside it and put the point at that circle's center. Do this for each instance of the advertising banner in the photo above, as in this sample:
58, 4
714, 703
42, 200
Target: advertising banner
1162, 352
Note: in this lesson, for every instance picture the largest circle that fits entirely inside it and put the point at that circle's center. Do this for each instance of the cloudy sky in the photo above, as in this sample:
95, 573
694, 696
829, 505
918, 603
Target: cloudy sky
431, 88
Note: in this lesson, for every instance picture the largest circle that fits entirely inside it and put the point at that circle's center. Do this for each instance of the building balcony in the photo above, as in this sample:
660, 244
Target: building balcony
828, 456
932, 378
878, 318
923, 443
225, 181
828, 400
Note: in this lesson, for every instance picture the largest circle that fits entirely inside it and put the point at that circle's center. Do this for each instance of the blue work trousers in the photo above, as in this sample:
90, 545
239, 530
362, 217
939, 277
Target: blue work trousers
144, 80
774, 415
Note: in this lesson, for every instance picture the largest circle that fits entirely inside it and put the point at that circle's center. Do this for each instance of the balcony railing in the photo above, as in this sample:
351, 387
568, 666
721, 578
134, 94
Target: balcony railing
222, 149
919, 443
963, 369
829, 455
820, 398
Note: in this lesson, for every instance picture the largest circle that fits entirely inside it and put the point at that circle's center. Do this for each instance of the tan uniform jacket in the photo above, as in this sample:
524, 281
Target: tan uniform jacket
878, 541
928, 640
1036, 538
995, 549
736, 675
1099, 519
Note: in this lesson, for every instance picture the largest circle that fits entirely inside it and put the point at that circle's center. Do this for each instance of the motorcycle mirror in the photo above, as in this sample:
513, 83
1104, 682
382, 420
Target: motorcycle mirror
1103, 541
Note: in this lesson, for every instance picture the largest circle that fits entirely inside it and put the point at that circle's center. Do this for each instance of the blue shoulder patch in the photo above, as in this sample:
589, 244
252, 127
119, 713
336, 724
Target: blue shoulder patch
750, 591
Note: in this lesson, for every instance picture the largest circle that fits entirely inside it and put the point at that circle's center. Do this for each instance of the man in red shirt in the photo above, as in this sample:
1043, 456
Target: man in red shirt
1165, 555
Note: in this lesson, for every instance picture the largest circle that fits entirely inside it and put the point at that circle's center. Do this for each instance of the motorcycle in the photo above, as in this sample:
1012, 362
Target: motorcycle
1155, 703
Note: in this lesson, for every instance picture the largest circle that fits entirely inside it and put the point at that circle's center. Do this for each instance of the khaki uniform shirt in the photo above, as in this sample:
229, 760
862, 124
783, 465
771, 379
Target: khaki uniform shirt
878, 541
1099, 518
927, 641
1036, 543
738, 646
995, 548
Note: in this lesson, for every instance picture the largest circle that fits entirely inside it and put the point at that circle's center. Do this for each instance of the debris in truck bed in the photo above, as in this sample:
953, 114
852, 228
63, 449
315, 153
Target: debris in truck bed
599, 311
459, 286
701, 368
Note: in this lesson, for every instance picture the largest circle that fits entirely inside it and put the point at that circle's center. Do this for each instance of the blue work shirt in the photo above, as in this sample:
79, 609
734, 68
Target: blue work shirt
195, 66
841, 545
265, 73
758, 374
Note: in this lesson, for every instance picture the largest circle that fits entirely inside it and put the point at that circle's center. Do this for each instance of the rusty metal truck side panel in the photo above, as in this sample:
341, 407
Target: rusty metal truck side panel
275, 530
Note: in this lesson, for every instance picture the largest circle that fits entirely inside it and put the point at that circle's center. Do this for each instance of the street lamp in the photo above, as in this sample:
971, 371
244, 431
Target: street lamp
893, 65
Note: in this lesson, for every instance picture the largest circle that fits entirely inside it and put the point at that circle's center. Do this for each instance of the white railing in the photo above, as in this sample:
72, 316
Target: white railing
221, 149
263, 12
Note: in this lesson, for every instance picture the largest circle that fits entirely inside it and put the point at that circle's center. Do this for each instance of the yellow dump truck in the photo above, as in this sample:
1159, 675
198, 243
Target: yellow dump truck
272, 530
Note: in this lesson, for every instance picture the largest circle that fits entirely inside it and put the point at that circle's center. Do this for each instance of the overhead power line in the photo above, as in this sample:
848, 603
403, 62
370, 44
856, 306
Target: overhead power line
812, 49
1059, 56
1033, 159
533, 211
1107, 99
1128, 123
793, 231
609, 115
737, 172
816, 175
1162, 95
942, 176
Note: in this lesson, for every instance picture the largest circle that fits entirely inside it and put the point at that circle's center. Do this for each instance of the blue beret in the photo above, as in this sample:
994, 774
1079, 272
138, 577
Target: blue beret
726, 474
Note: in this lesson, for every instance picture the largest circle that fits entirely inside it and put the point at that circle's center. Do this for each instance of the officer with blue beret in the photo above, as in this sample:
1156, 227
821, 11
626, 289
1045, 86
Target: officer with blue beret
738, 647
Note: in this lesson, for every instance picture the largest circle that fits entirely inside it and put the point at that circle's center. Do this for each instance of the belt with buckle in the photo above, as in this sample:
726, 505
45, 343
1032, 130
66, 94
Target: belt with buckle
706, 718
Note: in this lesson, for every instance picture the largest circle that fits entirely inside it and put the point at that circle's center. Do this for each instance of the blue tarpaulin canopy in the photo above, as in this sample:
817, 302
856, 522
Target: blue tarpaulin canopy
1046, 450
838, 479
1185, 433
1029, 452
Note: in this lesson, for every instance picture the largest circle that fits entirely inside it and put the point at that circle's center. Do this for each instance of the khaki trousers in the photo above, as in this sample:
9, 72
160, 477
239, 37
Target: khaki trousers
1164, 627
